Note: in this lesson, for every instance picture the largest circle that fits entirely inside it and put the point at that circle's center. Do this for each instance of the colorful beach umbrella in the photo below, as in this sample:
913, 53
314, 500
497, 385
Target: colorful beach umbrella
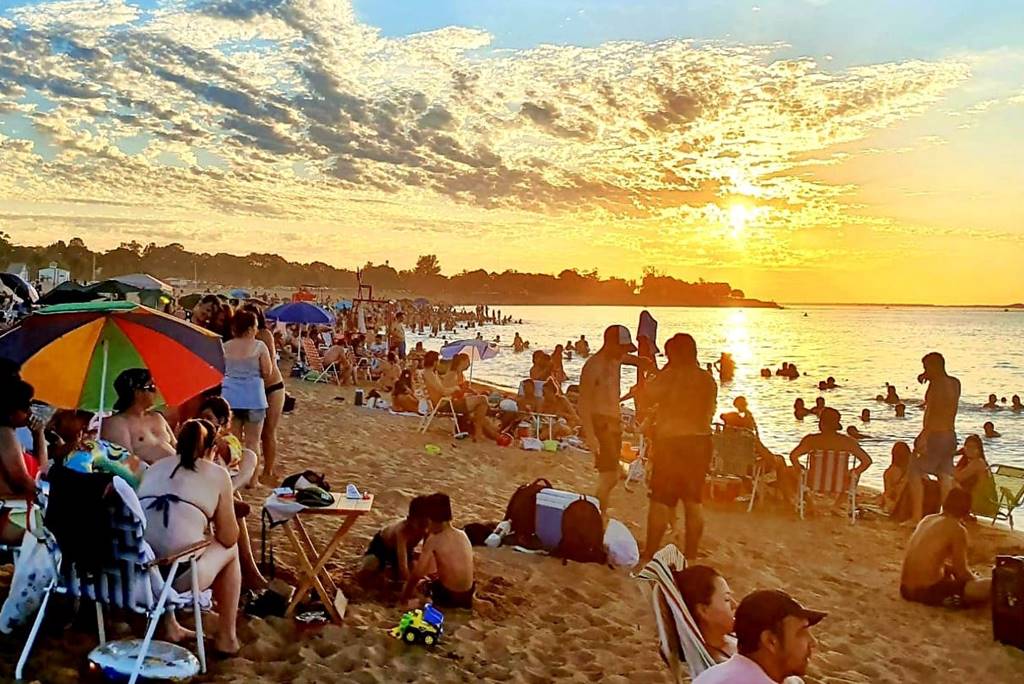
72, 353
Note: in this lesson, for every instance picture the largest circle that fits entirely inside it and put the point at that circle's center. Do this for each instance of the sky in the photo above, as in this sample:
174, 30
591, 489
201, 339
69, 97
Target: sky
802, 150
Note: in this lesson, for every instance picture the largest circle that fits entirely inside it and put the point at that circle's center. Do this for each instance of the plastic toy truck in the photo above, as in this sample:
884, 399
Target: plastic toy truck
420, 626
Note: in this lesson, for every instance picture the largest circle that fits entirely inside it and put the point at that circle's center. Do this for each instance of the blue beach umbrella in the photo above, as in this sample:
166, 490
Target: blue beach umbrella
302, 313
239, 293
343, 305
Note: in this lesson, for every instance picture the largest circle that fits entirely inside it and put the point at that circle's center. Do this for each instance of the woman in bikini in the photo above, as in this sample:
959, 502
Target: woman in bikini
183, 498
274, 389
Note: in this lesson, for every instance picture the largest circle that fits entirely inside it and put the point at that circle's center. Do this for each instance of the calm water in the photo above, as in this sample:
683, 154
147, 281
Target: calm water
862, 347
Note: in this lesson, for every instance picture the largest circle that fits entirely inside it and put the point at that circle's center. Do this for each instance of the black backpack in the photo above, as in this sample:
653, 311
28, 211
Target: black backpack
582, 534
522, 513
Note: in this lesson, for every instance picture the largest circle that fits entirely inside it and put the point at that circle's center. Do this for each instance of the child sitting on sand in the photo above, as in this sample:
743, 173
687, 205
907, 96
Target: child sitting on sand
895, 477
393, 546
445, 567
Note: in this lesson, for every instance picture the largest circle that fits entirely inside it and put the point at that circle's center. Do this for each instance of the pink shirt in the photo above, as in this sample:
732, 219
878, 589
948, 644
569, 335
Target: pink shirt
736, 670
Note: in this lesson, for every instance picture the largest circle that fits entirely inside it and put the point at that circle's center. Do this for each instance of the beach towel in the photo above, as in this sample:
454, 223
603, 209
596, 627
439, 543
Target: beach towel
678, 634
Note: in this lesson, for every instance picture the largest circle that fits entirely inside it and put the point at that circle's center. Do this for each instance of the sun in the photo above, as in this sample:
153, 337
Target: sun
739, 216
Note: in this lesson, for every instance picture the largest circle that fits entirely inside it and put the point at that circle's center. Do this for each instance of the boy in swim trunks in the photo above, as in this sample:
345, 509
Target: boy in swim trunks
935, 570
444, 570
393, 546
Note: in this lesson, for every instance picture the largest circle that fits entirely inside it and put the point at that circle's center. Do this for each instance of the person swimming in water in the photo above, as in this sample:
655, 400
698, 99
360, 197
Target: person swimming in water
1015, 404
865, 416
891, 397
901, 410
800, 410
992, 404
990, 430
852, 431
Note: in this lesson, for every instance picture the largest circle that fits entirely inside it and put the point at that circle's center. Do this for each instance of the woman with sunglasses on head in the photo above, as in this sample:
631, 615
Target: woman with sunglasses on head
135, 425
185, 498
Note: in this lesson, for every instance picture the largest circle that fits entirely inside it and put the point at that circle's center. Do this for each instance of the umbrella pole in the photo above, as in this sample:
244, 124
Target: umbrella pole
103, 385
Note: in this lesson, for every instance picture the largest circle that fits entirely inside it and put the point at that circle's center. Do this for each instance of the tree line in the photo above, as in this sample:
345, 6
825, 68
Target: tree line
261, 270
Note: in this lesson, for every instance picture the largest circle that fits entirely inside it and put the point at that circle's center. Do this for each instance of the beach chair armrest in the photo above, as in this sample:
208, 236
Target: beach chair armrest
188, 551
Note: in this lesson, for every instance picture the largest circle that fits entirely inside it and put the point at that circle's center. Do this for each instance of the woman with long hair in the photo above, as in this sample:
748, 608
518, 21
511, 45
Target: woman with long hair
247, 366
708, 598
274, 389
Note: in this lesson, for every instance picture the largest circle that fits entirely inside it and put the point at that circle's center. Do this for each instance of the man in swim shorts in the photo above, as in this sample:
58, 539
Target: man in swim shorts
936, 444
444, 570
393, 546
935, 570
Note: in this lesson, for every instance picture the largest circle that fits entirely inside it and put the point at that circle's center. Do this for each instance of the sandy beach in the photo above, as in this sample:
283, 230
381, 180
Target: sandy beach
538, 620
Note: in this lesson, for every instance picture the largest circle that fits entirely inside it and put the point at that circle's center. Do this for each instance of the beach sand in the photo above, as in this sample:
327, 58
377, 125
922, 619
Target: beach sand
538, 620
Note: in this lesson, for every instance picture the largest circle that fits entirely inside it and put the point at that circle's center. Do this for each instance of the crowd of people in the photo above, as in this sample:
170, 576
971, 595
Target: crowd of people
192, 461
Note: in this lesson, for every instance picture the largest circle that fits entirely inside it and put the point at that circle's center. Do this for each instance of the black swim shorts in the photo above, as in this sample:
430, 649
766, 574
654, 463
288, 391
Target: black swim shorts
946, 592
680, 468
443, 597
608, 433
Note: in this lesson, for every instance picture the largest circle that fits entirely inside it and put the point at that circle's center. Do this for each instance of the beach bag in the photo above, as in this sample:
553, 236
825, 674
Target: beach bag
295, 481
582, 534
522, 514
623, 551
1008, 600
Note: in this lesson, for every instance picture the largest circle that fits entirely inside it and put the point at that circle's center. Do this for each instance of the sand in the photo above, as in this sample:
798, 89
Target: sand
538, 620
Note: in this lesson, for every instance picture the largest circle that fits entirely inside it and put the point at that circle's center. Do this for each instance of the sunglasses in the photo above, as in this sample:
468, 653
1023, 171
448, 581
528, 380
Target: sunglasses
148, 388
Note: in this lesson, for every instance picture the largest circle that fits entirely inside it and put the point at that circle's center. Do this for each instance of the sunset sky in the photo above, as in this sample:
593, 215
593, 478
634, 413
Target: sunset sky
803, 150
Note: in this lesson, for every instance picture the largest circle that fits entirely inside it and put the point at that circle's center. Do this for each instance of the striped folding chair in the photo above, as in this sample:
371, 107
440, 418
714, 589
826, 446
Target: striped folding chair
130, 577
316, 362
828, 472
679, 636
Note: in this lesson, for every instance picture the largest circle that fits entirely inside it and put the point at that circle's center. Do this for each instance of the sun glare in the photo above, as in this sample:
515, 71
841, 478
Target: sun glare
739, 216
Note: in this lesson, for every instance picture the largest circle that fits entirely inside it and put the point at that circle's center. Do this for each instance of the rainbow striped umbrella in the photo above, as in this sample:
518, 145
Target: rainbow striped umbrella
71, 353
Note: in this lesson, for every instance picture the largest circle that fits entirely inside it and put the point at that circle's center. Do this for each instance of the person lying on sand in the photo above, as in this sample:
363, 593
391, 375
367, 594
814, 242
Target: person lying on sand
135, 425
394, 545
444, 570
183, 496
709, 599
935, 570
829, 438
773, 641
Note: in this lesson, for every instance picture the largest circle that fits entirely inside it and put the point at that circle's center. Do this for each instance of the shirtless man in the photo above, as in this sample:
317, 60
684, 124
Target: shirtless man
936, 444
393, 545
135, 425
600, 417
935, 567
829, 438
447, 560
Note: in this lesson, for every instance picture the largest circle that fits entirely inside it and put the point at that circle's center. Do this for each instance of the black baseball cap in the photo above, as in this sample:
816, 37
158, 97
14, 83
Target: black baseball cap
126, 384
766, 609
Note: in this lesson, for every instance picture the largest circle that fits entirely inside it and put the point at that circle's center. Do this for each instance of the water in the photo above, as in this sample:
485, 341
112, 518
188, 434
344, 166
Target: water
862, 347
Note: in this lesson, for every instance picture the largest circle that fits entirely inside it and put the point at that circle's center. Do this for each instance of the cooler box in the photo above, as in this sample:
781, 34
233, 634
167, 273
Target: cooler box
1008, 600
550, 505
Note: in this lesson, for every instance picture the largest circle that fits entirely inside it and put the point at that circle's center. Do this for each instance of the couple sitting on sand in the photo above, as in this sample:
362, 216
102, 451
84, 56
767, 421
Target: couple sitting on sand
443, 571
765, 639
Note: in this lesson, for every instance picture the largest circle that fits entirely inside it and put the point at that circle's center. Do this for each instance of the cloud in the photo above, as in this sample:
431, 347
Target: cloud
311, 114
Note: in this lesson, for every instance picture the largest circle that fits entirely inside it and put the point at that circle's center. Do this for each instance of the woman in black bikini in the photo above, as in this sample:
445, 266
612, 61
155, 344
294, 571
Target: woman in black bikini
183, 498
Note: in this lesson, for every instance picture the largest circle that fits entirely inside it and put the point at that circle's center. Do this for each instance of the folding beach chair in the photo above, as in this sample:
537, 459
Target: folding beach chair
316, 362
363, 364
828, 472
1009, 485
14, 505
679, 636
326, 340
128, 577
435, 409
735, 456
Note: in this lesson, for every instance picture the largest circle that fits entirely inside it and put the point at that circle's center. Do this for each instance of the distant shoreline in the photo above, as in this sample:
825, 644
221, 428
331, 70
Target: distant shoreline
1011, 307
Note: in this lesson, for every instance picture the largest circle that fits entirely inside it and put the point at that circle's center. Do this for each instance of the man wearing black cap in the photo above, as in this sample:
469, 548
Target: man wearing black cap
773, 641
600, 417
684, 396
135, 425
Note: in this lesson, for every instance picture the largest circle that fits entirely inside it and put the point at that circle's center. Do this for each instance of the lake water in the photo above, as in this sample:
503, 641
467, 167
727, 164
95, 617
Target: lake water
862, 347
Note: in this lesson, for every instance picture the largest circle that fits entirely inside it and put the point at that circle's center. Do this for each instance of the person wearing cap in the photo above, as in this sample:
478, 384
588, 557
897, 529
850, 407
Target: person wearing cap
830, 438
935, 570
600, 417
135, 425
773, 641
684, 397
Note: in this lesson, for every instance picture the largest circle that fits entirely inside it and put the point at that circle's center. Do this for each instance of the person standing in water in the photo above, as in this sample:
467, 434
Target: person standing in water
936, 444
600, 417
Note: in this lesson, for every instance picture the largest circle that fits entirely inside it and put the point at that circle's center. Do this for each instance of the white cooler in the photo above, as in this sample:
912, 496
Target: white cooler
551, 503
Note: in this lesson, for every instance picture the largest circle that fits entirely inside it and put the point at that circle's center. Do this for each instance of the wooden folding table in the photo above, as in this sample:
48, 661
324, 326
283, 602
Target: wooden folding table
314, 574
